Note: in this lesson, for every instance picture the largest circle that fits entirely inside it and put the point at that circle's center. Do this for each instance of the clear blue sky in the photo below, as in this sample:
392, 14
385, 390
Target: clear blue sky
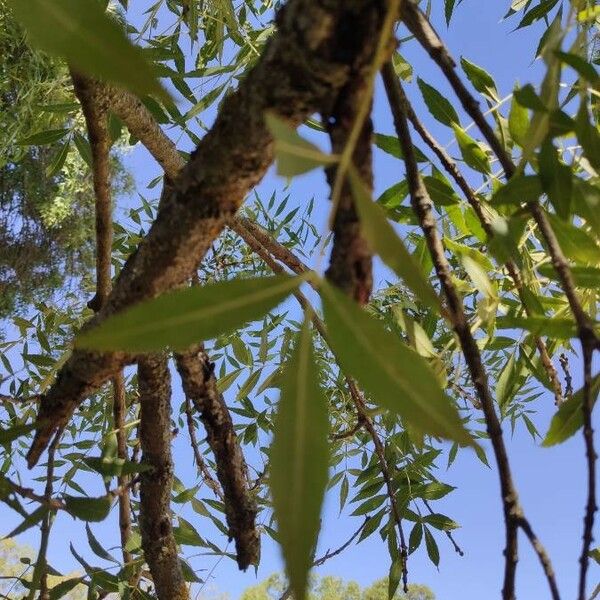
551, 481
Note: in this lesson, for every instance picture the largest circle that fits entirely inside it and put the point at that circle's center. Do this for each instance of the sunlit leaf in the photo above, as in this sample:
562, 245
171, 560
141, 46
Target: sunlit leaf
294, 154
569, 417
472, 152
439, 106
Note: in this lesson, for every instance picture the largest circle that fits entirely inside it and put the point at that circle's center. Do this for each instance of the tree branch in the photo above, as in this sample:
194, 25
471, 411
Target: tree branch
305, 62
156, 529
200, 385
422, 207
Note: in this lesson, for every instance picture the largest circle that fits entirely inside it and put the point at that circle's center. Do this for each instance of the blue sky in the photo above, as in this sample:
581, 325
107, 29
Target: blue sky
551, 481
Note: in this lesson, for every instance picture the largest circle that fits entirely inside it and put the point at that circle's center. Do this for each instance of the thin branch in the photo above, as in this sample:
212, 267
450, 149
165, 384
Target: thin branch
156, 529
200, 385
200, 462
564, 363
449, 535
40, 572
422, 207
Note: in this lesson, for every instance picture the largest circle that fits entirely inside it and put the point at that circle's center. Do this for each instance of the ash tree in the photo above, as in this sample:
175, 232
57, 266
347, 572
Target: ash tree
302, 373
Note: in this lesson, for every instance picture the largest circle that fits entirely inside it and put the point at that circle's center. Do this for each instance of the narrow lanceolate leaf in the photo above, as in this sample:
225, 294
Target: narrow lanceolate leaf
569, 417
394, 375
294, 154
383, 240
481, 80
439, 106
82, 33
472, 152
180, 318
299, 462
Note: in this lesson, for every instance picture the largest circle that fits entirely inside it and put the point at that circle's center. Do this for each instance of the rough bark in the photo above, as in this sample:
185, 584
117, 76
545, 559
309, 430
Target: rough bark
200, 385
351, 262
156, 529
312, 56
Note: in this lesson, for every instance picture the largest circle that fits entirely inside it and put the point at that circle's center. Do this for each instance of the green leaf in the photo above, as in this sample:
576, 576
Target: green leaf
391, 145
402, 68
576, 243
394, 375
64, 587
579, 64
383, 239
58, 161
299, 461
472, 152
441, 522
35, 517
478, 276
44, 137
187, 535
481, 80
441, 192
12, 433
432, 548
114, 466
518, 189
189, 574
439, 106
81, 32
584, 277
88, 509
294, 154
394, 577
415, 538
190, 315
568, 420
518, 121
96, 547
588, 136
595, 554
557, 180
556, 327
527, 98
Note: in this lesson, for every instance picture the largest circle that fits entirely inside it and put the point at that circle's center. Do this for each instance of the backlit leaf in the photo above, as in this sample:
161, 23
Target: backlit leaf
81, 32
299, 461
190, 315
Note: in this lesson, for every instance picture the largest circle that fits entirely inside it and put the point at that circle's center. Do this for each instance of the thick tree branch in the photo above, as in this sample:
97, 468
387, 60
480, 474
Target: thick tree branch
310, 58
422, 207
156, 529
200, 385
351, 262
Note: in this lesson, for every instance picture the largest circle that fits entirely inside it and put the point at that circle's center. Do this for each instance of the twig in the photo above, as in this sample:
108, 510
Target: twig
422, 207
200, 463
330, 554
564, 363
40, 572
449, 535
